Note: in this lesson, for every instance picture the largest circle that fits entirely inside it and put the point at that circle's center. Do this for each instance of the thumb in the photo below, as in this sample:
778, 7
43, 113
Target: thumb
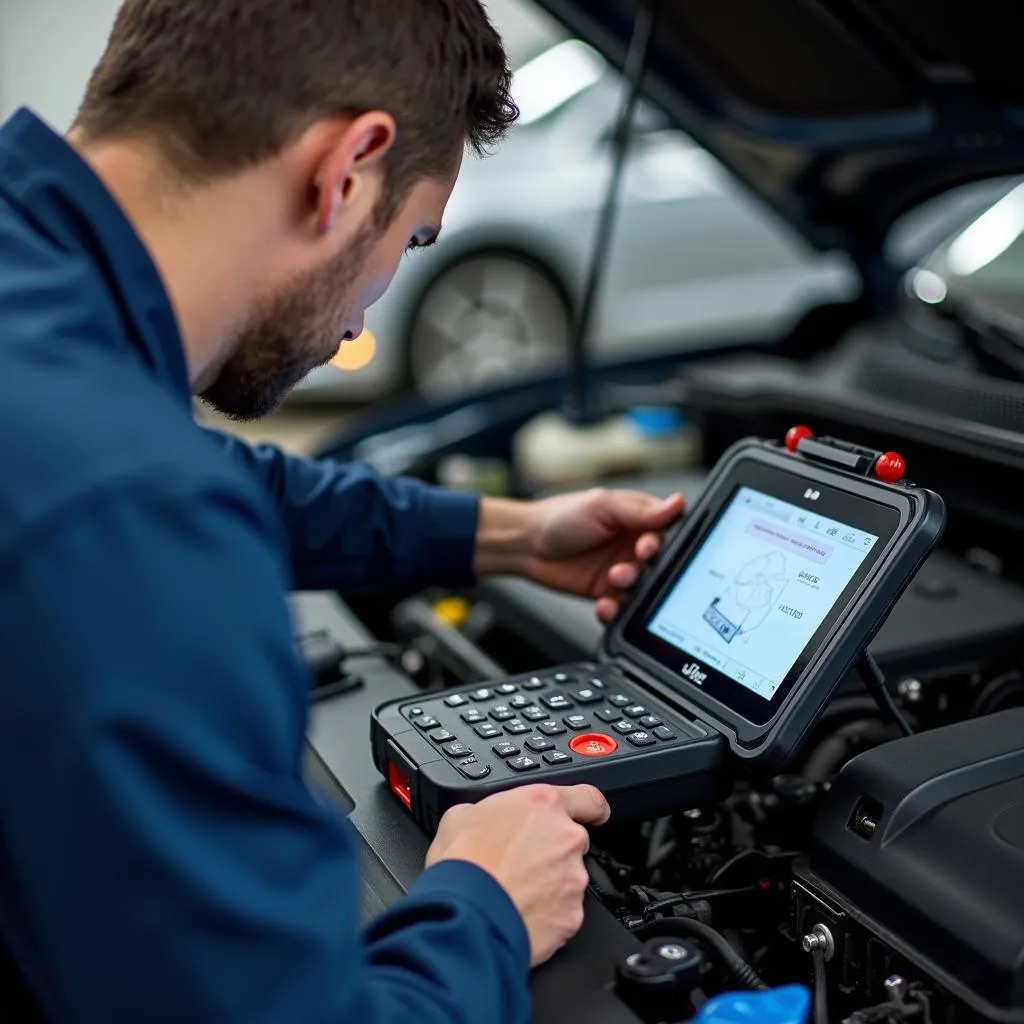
584, 804
644, 512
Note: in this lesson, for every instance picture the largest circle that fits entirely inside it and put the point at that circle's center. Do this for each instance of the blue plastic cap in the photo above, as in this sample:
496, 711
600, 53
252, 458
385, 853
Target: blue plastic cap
788, 1005
656, 422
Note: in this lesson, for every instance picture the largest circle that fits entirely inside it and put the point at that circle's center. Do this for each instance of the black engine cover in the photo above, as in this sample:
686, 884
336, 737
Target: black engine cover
923, 841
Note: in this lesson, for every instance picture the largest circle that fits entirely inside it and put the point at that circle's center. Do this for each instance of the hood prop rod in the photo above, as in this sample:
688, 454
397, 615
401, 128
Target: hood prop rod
581, 406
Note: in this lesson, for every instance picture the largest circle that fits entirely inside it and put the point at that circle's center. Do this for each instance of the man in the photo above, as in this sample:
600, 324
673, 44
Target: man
238, 188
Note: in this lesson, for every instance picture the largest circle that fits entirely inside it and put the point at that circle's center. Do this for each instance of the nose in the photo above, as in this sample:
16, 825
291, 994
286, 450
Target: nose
353, 333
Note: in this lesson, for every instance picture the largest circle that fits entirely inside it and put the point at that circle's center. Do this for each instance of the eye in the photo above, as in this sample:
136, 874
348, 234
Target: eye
414, 243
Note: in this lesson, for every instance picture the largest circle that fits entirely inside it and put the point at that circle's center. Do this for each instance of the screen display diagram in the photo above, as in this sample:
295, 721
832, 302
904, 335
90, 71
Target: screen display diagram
762, 583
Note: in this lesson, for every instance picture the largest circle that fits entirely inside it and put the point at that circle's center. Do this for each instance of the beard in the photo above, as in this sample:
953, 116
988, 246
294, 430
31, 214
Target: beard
288, 335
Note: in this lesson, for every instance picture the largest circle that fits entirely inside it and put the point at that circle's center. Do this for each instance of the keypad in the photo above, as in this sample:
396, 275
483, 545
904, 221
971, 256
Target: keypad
557, 757
557, 702
641, 739
552, 728
519, 727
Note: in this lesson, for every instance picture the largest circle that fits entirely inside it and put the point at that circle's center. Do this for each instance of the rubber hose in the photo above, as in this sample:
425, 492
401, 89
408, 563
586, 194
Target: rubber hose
684, 927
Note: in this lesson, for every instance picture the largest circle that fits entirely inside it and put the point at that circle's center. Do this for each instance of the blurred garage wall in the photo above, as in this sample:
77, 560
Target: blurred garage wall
49, 47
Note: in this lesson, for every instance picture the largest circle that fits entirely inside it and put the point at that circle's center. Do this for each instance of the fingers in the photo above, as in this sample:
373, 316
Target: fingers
638, 511
623, 576
648, 546
584, 804
607, 609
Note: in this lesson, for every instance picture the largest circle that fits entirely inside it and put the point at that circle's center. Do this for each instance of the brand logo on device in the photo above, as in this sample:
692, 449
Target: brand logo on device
694, 674
812, 495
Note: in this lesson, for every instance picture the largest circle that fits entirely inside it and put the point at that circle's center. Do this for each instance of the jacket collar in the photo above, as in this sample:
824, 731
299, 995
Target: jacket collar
54, 188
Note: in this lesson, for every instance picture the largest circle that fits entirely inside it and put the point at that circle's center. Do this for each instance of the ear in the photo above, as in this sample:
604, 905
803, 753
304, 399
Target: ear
345, 177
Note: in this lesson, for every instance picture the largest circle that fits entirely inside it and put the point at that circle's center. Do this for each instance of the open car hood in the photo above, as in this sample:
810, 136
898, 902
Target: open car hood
840, 114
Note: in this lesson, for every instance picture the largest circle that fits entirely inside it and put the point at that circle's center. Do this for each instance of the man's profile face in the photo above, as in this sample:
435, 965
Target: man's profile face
302, 325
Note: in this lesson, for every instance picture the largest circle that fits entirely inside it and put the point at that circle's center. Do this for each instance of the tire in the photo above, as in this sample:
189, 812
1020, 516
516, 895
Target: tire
487, 320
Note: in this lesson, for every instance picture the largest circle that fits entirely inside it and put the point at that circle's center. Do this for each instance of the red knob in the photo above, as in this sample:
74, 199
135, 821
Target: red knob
891, 467
797, 434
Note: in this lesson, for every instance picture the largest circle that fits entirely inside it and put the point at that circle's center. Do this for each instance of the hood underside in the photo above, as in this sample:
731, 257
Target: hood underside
840, 114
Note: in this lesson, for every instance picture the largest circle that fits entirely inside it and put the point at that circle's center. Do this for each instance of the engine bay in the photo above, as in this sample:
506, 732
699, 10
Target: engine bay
881, 871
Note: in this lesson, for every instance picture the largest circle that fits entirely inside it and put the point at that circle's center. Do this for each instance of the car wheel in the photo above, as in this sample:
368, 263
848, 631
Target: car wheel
484, 321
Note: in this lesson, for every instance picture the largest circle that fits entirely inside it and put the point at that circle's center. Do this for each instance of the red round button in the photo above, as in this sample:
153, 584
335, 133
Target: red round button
891, 467
593, 744
797, 434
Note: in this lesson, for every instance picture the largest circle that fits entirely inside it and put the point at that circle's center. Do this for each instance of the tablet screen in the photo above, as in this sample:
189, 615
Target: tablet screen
742, 610
765, 579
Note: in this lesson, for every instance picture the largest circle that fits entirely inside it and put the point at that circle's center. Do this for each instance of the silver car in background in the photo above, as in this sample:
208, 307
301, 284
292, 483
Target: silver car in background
693, 256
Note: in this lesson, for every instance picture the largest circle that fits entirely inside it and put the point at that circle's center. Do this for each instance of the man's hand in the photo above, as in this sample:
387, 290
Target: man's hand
592, 543
531, 841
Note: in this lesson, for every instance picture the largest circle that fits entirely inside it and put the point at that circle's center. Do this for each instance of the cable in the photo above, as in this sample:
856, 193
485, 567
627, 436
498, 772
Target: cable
874, 680
923, 1000
820, 988
683, 927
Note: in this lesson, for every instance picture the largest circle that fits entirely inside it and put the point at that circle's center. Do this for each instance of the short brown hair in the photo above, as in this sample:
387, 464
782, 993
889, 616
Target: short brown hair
221, 85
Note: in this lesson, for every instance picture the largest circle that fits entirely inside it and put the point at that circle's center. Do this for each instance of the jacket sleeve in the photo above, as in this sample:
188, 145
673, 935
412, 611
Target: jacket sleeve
169, 862
351, 529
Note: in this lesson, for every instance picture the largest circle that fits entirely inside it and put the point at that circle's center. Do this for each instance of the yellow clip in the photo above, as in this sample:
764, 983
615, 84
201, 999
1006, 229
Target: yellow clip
452, 611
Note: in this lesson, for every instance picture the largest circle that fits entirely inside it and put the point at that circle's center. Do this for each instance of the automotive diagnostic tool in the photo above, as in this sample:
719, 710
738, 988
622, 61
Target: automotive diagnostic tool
723, 660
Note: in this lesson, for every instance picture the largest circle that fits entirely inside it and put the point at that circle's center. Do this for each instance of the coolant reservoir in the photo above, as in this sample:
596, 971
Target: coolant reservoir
552, 451
788, 1005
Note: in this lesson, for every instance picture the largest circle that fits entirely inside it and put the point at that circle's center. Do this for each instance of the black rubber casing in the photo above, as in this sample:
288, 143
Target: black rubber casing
638, 784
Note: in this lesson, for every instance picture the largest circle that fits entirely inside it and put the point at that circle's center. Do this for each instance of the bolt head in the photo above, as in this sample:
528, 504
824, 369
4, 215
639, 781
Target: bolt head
896, 986
672, 952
